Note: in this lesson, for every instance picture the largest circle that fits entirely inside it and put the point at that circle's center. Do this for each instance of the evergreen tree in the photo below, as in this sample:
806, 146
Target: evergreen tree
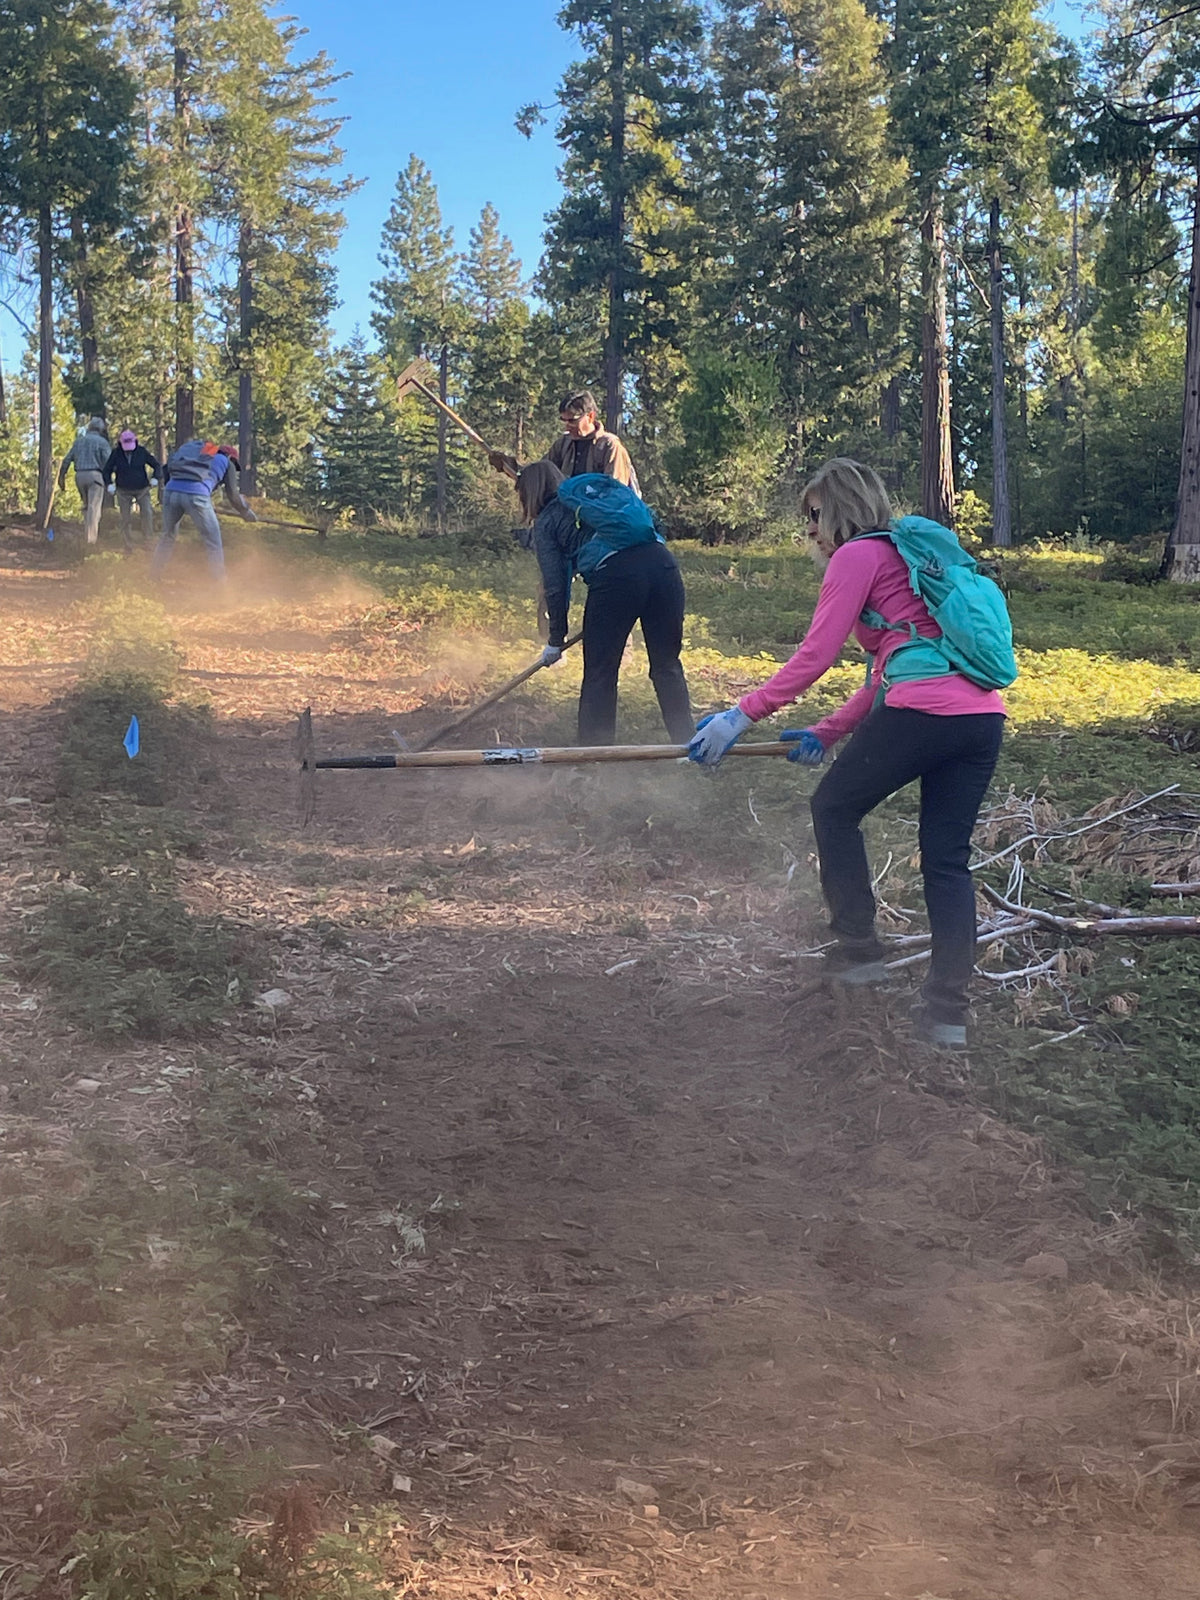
731, 443
421, 311
275, 147
501, 385
357, 447
624, 234
936, 102
803, 200
65, 109
490, 273
1147, 131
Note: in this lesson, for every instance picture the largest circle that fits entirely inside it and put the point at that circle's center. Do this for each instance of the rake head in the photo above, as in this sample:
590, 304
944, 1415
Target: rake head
414, 376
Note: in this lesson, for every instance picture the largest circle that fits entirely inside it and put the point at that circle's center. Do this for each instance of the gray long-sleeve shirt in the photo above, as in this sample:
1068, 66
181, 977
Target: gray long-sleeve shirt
89, 453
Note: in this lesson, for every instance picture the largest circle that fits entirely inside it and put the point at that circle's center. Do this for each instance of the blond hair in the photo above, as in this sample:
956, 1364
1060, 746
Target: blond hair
852, 498
537, 485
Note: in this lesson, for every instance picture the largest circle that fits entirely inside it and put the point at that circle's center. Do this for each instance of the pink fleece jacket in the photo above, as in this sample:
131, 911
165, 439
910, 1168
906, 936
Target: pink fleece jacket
866, 573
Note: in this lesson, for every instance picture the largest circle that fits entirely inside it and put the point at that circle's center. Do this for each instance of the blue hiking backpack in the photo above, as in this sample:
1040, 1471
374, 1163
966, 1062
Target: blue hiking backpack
966, 604
616, 517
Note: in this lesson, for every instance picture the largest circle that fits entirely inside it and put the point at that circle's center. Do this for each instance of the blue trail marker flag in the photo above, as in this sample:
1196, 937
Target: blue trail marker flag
131, 741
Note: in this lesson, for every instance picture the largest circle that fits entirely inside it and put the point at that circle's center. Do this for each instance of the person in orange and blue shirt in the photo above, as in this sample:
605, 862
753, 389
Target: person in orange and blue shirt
192, 473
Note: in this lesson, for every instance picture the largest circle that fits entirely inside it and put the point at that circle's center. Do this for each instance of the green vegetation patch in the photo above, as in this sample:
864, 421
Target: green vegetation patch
111, 937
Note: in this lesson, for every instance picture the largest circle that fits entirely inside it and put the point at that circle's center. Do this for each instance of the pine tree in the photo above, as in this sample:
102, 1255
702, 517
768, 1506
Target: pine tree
421, 309
932, 67
802, 203
1147, 131
357, 446
275, 148
623, 236
65, 106
490, 273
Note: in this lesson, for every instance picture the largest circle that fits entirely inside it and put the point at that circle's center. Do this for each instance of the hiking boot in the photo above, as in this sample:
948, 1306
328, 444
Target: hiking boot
856, 966
940, 1035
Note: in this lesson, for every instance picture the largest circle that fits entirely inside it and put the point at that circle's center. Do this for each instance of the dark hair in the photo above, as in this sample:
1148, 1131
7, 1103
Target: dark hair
582, 404
537, 485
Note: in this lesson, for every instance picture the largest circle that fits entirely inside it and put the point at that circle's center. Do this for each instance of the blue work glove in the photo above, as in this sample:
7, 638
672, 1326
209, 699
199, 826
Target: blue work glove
550, 654
809, 751
716, 735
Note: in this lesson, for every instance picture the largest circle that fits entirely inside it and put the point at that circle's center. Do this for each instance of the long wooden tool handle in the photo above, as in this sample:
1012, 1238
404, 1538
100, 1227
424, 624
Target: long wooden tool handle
271, 522
455, 418
550, 756
439, 734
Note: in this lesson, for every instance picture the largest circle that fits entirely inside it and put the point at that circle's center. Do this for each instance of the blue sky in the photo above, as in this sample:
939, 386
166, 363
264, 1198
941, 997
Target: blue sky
441, 79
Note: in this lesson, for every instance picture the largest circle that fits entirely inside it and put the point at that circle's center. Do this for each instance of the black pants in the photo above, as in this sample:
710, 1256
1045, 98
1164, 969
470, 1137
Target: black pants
954, 757
641, 584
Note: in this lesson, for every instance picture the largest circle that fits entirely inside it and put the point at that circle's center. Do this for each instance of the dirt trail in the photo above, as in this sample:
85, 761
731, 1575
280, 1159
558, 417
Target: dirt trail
723, 1294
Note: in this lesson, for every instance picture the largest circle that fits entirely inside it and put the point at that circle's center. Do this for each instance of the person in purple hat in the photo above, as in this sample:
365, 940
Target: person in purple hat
136, 473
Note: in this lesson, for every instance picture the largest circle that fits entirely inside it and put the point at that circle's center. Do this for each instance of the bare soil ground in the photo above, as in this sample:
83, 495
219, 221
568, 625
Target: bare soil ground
725, 1290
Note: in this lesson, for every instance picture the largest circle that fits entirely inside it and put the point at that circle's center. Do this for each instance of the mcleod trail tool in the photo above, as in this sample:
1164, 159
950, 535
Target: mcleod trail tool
411, 381
460, 721
569, 755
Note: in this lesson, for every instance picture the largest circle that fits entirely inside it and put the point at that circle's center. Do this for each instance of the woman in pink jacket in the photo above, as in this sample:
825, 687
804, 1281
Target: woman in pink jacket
944, 730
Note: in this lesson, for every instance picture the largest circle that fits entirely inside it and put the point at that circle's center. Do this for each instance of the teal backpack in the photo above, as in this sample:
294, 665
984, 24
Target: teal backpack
965, 603
616, 516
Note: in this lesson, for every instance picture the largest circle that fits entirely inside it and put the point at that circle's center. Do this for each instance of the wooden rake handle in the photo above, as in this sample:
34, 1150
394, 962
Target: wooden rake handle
460, 721
569, 755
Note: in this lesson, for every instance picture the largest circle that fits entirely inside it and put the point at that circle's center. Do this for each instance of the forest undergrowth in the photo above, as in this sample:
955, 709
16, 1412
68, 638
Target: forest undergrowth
1086, 1043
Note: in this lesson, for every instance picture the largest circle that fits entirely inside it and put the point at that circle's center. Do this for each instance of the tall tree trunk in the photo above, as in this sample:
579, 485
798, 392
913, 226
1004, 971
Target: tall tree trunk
937, 468
3, 396
889, 411
185, 349
160, 429
1001, 512
185, 315
85, 305
614, 336
443, 423
249, 473
891, 336
1022, 370
1181, 558
45, 479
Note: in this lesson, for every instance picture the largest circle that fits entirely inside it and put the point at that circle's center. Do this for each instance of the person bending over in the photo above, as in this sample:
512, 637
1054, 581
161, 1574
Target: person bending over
192, 473
638, 583
944, 729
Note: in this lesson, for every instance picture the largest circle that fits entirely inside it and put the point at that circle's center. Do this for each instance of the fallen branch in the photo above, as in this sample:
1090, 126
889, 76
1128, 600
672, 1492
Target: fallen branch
984, 938
1034, 971
1058, 1038
1073, 833
1168, 890
1090, 927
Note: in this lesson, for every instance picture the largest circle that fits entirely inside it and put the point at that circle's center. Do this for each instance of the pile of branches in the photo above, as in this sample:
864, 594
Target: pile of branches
1152, 839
